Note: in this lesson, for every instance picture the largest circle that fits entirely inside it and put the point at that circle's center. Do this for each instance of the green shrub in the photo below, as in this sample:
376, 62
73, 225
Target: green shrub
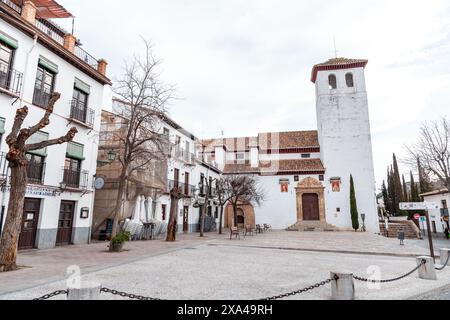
122, 237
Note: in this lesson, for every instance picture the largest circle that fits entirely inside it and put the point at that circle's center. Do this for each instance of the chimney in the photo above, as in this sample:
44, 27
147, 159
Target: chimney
102, 66
29, 12
69, 42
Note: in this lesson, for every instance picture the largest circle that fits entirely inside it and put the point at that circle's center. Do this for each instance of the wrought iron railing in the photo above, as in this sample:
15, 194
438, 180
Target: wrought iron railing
80, 112
50, 30
181, 154
12, 5
86, 57
36, 172
3, 167
444, 212
10, 79
77, 179
186, 189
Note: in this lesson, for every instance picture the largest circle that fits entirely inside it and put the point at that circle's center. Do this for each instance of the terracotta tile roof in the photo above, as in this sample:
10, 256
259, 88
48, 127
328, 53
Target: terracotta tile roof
299, 165
239, 168
336, 64
278, 166
288, 140
266, 141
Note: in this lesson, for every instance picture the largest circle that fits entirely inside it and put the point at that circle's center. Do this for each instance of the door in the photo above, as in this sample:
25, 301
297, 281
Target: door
30, 221
186, 219
65, 223
240, 219
310, 203
176, 177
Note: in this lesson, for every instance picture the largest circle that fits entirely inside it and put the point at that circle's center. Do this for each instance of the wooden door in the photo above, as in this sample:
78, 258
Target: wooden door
176, 177
30, 219
65, 223
186, 219
310, 204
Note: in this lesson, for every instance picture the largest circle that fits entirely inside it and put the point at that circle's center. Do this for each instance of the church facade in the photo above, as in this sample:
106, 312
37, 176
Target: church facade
306, 174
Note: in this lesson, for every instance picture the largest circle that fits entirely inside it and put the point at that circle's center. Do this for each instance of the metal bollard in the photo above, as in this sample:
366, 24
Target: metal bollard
426, 271
444, 253
86, 291
343, 288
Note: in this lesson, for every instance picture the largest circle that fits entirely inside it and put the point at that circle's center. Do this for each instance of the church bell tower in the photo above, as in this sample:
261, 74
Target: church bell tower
345, 140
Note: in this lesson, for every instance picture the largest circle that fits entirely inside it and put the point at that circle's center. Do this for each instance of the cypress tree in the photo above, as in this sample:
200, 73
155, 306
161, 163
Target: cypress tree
353, 206
397, 186
414, 196
385, 194
392, 194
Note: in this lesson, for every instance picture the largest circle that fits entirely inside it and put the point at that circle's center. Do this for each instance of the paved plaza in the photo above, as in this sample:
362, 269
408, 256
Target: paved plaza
218, 268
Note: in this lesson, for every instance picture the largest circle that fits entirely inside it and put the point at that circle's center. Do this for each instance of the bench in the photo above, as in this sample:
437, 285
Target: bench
234, 231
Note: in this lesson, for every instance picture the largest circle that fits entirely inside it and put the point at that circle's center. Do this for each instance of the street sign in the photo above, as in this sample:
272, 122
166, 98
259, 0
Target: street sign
423, 219
412, 206
416, 216
99, 183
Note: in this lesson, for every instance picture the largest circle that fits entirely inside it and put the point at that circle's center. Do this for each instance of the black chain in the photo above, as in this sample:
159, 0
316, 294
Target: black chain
127, 295
391, 280
293, 293
51, 295
445, 264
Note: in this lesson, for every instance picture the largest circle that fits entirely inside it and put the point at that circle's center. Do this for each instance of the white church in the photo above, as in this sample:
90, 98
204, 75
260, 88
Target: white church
306, 174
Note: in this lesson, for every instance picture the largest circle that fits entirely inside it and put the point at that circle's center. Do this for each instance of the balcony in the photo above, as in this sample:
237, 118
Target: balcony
186, 189
81, 113
12, 5
86, 57
444, 212
50, 30
3, 167
181, 154
36, 172
10, 80
76, 179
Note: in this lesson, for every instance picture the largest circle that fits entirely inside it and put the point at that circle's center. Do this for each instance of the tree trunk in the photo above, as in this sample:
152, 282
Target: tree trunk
118, 207
235, 215
203, 214
220, 219
13, 223
171, 229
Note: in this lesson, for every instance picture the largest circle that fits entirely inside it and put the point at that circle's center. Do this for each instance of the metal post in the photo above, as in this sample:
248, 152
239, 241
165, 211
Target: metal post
430, 238
444, 253
343, 288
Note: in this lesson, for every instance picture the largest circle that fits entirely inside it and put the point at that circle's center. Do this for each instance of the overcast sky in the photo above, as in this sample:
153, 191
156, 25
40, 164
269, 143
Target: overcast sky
244, 66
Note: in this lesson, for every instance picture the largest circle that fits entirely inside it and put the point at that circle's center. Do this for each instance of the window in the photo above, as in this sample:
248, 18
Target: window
444, 204
163, 211
349, 80
6, 60
2, 129
72, 165
306, 156
79, 105
321, 177
43, 86
186, 183
166, 132
240, 156
177, 140
35, 168
209, 211
176, 177
216, 213
202, 181
332, 82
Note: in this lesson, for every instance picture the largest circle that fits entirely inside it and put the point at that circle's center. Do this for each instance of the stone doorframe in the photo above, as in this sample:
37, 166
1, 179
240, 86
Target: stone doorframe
313, 186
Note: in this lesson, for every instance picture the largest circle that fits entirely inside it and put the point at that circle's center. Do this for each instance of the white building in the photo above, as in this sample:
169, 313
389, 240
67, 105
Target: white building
187, 170
38, 58
439, 218
306, 174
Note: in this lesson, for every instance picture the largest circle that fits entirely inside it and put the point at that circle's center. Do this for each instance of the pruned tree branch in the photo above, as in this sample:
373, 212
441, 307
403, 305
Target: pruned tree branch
44, 144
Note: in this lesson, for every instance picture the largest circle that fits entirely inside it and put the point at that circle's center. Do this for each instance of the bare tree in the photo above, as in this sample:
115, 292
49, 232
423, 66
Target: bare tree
223, 192
244, 189
17, 161
432, 150
175, 196
144, 99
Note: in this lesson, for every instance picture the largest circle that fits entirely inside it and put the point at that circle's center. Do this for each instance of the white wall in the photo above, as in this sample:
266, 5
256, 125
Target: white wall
346, 148
435, 215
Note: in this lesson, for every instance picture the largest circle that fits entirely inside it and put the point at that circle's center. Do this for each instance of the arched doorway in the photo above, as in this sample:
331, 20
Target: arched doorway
310, 203
240, 218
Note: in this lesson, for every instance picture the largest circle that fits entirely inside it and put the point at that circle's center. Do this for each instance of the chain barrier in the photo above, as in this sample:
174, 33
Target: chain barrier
277, 297
391, 280
445, 264
293, 293
51, 295
128, 295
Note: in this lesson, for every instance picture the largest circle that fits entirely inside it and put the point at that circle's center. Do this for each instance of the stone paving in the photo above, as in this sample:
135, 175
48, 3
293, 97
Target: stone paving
217, 268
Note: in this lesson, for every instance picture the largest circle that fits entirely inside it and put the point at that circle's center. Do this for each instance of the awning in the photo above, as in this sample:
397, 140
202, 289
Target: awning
48, 9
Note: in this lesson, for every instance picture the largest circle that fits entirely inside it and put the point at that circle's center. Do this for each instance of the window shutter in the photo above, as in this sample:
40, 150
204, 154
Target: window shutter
75, 151
9, 41
82, 86
36, 138
47, 64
